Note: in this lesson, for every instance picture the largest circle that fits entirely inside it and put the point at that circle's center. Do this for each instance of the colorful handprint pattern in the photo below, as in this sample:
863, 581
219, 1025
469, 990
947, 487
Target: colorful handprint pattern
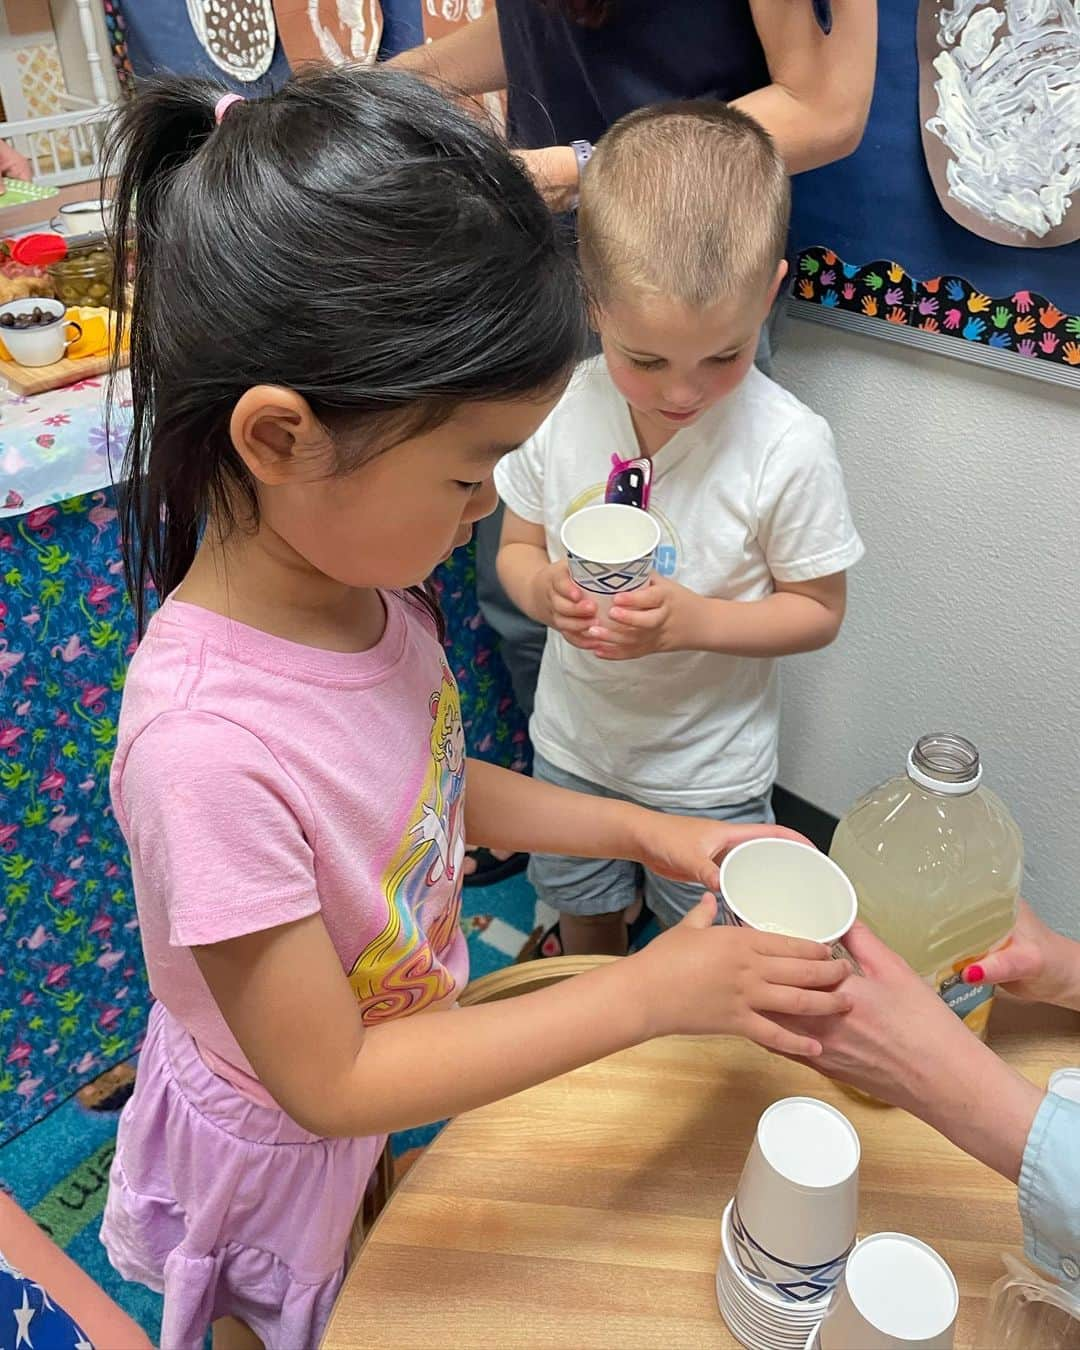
1024, 323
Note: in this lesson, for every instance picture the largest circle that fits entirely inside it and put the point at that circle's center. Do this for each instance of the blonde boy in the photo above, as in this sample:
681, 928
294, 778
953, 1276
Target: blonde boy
674, 702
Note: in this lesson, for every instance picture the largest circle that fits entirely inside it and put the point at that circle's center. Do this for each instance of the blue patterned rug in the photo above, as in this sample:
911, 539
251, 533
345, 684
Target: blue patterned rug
58, 1169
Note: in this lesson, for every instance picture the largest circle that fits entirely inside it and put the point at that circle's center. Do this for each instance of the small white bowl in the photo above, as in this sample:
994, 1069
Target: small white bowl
41, 345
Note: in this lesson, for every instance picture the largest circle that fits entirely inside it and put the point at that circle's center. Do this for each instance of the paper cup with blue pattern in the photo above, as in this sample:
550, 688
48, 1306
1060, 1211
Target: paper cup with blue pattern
793, 1221
611, 549
760, 1319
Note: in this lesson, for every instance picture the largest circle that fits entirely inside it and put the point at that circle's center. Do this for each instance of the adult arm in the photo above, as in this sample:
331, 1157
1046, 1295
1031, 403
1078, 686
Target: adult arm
816, 106
469, 60
903, 1045
1049, 1190
14, 165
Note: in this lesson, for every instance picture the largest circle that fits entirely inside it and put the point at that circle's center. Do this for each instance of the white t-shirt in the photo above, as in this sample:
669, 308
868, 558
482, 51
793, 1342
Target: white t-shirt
751, 492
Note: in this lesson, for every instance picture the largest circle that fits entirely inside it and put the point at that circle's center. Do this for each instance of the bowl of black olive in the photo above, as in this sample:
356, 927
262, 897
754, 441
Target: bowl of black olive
34, 331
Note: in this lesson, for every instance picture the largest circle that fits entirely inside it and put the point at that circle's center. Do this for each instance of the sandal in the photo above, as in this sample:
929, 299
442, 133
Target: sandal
549, 943
491, 869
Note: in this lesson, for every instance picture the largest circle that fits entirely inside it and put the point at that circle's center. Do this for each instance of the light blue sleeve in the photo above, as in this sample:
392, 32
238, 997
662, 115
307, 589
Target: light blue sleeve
1049, 1188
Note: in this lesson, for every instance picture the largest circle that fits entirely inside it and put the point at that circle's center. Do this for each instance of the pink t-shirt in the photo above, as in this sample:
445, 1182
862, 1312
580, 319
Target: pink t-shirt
257, 782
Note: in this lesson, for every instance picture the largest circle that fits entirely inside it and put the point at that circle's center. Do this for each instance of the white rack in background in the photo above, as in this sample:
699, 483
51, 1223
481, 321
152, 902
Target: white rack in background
66, 147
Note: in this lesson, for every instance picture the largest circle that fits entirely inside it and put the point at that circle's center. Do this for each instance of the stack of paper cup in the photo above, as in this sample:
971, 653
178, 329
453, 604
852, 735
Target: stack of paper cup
791, 1225
896, 1294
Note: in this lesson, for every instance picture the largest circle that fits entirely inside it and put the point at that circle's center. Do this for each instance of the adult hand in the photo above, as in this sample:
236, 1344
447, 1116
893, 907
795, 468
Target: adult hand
14, 165
881, 1046
554, 171
1037, 964
902, 1044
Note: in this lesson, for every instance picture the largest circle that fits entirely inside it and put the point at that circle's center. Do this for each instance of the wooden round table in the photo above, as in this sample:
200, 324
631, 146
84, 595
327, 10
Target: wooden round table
585, 1213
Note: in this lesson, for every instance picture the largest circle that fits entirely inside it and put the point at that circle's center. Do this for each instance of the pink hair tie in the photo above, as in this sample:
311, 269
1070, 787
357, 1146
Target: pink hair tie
224, 103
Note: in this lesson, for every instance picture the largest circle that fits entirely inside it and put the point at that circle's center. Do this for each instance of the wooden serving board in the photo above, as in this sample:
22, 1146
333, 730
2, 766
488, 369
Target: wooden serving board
26, 380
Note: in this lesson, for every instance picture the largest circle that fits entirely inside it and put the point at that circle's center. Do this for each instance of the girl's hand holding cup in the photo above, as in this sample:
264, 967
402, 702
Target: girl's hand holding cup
703, 979
729, 980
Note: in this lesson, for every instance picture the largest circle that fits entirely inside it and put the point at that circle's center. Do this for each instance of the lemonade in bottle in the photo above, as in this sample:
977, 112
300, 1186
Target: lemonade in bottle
936, 860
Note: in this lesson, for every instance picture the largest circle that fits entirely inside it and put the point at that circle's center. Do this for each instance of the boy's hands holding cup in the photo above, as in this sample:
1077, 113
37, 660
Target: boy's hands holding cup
702, 979
659, 617
689, 848
561, 604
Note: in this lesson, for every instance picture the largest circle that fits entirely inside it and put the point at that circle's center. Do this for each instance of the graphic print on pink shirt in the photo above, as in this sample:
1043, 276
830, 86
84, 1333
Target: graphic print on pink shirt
396, 972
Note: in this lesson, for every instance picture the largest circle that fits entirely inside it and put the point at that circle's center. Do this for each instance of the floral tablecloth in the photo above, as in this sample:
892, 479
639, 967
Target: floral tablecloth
55, 446
73, 993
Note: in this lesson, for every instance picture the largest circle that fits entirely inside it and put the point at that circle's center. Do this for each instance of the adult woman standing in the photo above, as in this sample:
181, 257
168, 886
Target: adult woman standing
803, 68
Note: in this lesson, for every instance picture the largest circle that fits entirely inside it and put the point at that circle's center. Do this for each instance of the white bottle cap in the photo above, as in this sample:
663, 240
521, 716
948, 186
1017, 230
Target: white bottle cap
946, 764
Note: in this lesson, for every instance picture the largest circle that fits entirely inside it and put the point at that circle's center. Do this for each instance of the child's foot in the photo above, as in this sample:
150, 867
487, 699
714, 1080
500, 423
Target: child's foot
486, 866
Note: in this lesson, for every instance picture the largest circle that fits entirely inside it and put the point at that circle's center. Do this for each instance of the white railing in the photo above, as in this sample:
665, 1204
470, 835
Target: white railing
65, 148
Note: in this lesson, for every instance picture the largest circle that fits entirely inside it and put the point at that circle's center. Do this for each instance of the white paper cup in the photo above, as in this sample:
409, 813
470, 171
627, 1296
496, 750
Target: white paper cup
762, 1299
897, 1294
610, 549
1065, 1083
780, 886
757, 1319
796, 1205
37, 346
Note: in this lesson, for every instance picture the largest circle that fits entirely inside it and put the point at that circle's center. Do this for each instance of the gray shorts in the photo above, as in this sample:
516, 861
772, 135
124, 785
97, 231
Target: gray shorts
589, 886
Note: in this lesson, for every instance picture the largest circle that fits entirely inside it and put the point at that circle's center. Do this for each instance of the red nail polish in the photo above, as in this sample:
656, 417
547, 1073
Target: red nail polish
974, 975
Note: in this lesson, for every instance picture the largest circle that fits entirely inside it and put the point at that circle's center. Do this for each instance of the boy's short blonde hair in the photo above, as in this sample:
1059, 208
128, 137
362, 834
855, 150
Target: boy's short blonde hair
686, 200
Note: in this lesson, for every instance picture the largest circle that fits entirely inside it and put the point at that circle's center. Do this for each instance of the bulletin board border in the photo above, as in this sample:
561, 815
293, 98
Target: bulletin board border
1023, 333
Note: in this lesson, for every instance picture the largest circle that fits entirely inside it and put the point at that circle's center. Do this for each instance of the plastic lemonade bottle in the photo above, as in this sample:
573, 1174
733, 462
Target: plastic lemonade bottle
936, 860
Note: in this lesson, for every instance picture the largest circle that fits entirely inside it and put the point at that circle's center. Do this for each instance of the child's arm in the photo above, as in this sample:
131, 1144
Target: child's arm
666, 617
507, 810
288, 1003
540, 588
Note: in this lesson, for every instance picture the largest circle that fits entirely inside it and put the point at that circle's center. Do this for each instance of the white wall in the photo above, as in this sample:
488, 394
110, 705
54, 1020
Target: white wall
965, 614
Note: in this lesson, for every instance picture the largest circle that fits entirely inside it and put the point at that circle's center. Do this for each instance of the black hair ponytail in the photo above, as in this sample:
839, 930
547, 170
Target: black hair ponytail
160, 521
